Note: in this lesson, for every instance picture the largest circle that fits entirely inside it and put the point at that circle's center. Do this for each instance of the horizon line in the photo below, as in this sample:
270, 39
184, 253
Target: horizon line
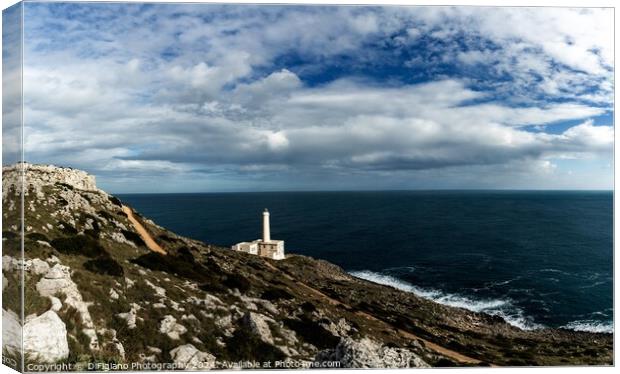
378, 190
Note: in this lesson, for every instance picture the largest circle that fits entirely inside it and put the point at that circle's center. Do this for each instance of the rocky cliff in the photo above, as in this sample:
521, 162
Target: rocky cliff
96, 295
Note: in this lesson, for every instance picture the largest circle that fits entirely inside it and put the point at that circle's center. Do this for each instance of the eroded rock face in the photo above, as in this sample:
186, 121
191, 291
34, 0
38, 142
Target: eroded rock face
189, 358
46, 337
366, 353
257, 323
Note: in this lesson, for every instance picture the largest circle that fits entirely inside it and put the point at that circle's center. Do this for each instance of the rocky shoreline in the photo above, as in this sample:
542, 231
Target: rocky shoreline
101, 295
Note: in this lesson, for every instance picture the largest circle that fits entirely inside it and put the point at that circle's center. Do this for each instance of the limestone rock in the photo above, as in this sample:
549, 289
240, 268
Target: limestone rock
257, 323
11, 331
367, 353
57, 281
189, 358
113, 294
130, 316
159, 291
39, 175
39, 266
56, 304
170, 327
46, 337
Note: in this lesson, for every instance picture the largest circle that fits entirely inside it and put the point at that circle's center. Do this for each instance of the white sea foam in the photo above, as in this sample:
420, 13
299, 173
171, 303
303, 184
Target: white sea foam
591, 326
503, 308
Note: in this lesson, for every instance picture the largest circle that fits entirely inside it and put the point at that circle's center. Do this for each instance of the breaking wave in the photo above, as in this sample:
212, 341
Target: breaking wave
590, 325
499, 307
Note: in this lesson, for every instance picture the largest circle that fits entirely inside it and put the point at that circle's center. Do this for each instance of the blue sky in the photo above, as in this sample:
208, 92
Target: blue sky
189, 98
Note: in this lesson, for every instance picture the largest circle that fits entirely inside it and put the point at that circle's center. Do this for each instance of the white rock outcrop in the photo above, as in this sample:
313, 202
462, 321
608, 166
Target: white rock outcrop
46, 174
39, 266
45, 337
367, 353
57, 281
11, 331
130, 316
257, 324
189, 358
170, 327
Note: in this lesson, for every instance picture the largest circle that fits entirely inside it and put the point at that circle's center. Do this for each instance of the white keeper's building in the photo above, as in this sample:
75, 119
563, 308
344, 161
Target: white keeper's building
265, 247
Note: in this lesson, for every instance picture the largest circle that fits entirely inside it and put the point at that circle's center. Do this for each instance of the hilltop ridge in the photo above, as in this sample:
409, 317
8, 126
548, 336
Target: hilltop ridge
96, 293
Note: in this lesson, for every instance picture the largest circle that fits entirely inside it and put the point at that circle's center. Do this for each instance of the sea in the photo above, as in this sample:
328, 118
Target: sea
536, 258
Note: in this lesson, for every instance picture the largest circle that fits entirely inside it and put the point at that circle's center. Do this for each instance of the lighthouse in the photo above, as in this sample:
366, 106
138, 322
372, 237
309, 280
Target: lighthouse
266, 228
265, 247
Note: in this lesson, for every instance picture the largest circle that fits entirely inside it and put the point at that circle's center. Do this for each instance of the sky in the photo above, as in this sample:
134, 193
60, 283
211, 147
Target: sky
201, 98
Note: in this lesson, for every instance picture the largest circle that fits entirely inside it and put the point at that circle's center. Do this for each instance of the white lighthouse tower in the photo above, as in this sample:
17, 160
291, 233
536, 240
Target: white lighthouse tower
266, 228
264, 247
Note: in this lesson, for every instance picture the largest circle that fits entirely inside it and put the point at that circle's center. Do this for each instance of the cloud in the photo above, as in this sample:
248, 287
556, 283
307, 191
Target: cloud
294, 96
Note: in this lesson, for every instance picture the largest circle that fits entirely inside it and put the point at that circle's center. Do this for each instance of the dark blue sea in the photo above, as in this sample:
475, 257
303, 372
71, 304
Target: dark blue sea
535, 258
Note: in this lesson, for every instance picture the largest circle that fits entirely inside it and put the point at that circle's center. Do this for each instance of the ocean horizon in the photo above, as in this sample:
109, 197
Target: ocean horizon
537, 258
439, 190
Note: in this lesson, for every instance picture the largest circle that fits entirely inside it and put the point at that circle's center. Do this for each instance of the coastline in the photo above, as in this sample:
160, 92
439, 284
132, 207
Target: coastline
214, 298
497, 307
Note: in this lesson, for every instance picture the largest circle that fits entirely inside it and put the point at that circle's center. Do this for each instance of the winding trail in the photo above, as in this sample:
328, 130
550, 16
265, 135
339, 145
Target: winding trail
456, 356
148, 239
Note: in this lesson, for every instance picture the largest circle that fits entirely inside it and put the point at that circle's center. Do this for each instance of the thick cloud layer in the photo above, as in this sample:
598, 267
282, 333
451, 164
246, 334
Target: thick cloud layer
200, 98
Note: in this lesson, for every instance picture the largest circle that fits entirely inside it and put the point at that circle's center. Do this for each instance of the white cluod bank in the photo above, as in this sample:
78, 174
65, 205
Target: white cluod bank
265, 247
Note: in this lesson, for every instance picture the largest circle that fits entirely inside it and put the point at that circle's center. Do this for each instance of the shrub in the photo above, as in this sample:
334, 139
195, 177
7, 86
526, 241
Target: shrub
105, 266
115, 201
9, 235
67, 186
244, 345
92, 233
67, 228
95, 220
34, 303
237, 281
174, 265
312, 332
133, 237
308, 307
168, 239
185, 254
37, 236
79, 245
212, 287
105, 215
276, 293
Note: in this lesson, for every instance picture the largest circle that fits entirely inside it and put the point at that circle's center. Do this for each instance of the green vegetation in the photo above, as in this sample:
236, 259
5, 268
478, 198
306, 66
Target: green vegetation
79, 245
104, 265
37, 236
67, 228
115, 201
244, 345
276, 293
133, 237
312, 332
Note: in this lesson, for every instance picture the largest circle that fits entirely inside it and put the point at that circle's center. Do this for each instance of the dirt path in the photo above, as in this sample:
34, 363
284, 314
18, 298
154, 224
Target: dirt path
148, 240
428, 344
